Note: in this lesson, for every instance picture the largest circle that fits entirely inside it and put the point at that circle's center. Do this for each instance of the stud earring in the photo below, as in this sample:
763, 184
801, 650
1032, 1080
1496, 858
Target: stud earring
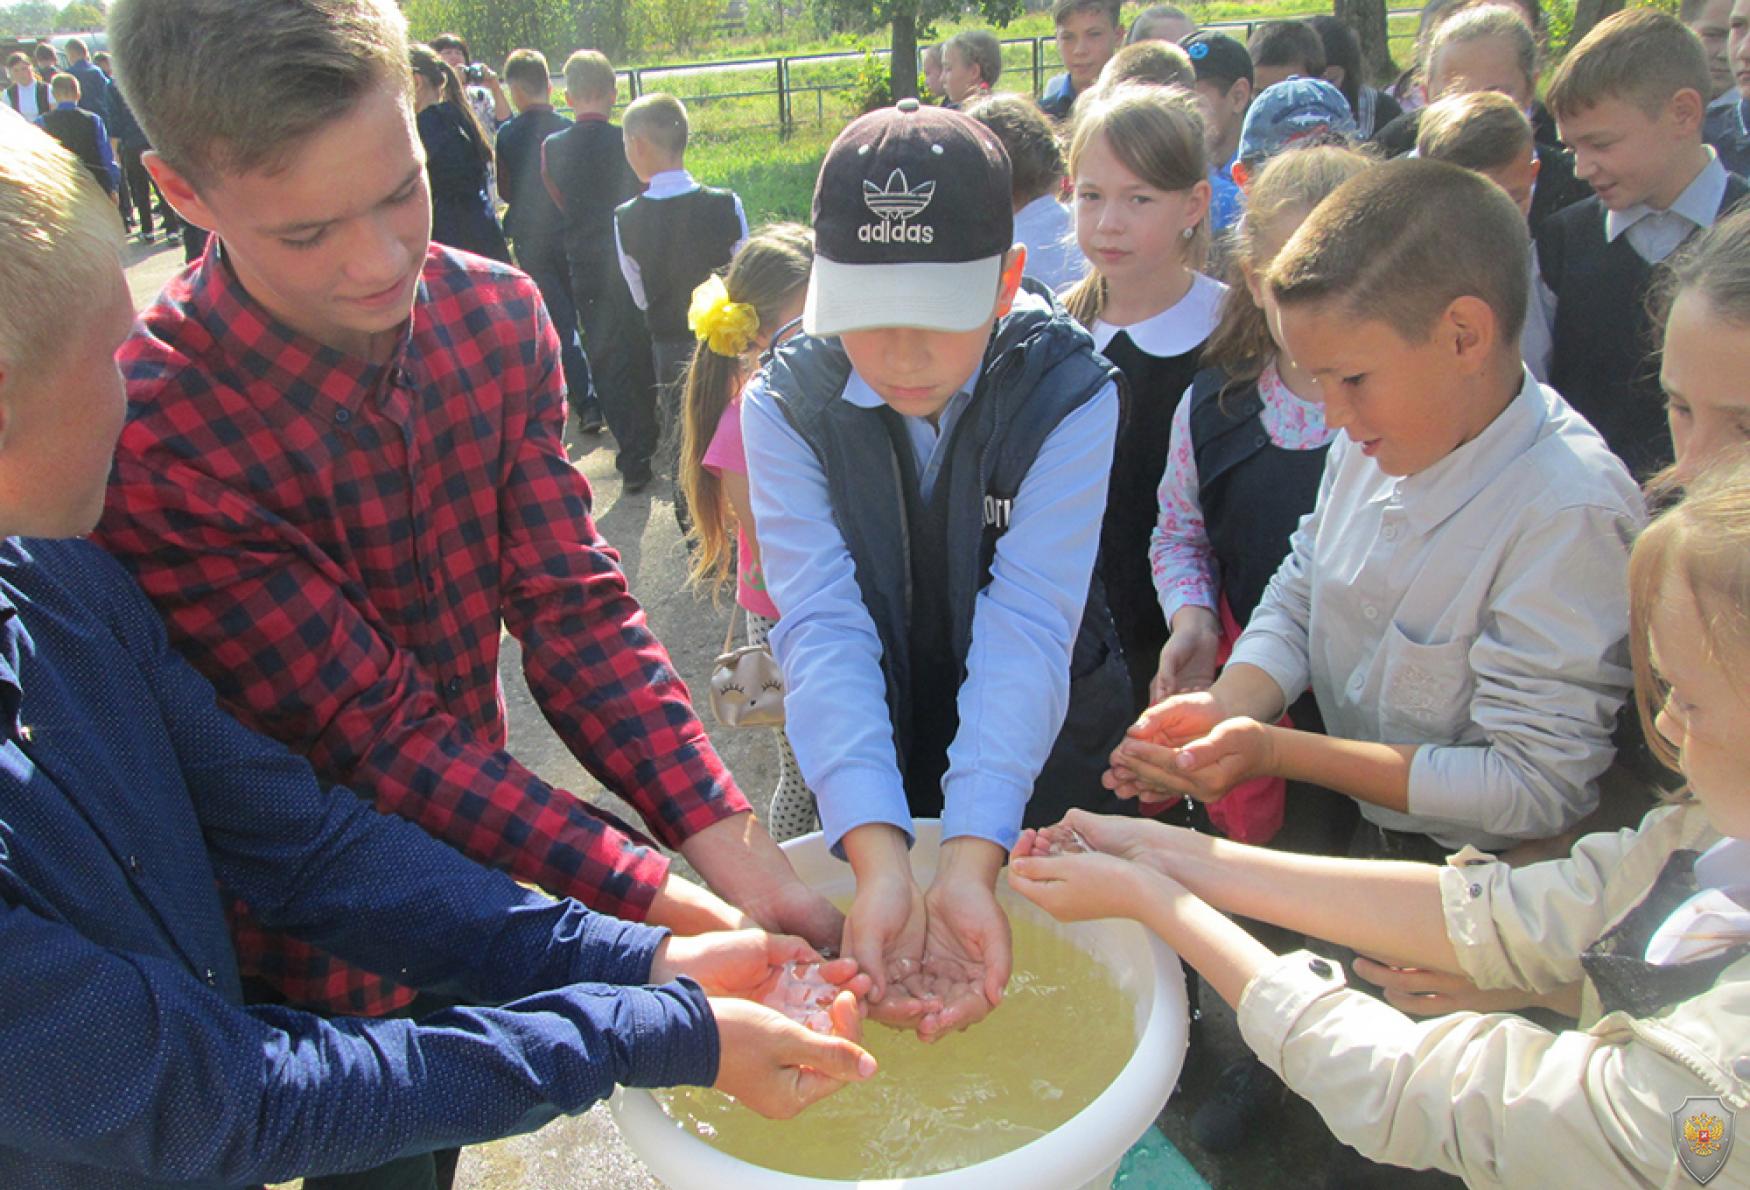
1188, 233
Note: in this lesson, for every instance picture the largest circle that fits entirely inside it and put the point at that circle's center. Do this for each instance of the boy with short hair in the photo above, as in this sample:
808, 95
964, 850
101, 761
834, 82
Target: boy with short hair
1224, 93
928, 468
82, 133
129, 799
1457, 600
533, 222
1630, 101
1284, 50
1088, 34
25, 93
670, 238
1043, 224
588, 176
93, 83
344, 480
1728, 118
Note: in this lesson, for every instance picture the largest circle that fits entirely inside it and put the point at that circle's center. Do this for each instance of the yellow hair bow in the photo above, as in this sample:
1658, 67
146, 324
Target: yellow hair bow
726, 327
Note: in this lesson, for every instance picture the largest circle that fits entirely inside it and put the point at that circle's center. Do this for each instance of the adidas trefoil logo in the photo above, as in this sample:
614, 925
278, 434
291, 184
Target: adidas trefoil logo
897, 204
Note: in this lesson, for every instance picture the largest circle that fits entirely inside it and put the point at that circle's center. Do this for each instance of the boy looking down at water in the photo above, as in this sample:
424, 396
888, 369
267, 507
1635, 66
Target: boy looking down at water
928, 468
1457, 599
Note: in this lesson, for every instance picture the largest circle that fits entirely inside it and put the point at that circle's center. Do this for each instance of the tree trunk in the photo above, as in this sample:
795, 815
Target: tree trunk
902, 67
1588, 13
1368, 19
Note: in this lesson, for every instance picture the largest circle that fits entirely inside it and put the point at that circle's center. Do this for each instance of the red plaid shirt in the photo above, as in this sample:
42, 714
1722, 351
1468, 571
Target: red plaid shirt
337, 545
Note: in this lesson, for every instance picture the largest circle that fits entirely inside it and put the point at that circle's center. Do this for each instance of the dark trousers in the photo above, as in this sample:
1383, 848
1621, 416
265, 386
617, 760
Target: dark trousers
671, 358
138, 189
618, 347
544, 261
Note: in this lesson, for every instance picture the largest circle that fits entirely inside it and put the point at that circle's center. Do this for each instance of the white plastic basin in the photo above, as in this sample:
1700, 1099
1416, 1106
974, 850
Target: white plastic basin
1084, 1152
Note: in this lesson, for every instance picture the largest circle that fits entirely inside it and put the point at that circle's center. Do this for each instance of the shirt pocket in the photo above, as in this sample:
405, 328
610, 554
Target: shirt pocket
1426, 693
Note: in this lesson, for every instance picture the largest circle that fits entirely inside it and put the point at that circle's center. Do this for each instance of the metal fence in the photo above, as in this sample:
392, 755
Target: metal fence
783, 92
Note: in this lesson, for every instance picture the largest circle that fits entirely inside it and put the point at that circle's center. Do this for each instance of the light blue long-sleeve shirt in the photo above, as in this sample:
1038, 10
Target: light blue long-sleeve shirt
1016, 693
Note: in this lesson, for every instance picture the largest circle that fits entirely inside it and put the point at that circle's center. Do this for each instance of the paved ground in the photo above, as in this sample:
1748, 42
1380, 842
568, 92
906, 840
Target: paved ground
586, 1153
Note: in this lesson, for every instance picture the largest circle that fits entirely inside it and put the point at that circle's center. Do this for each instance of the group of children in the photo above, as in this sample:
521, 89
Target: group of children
1309, 559
1369, 577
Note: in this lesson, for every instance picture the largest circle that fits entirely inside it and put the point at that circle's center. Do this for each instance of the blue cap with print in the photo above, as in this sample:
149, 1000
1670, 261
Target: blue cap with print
1293, 110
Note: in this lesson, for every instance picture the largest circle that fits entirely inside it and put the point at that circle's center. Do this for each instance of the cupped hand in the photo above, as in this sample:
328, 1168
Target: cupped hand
885, 933
778, 1067
1205, 768
1087, 886
749, 963
968, 953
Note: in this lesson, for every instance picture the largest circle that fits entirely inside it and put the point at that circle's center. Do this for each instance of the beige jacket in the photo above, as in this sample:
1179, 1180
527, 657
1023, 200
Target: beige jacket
1494, 1098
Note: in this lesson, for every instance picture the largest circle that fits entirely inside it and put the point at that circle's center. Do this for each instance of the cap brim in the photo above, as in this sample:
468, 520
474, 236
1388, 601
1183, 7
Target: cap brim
936, 297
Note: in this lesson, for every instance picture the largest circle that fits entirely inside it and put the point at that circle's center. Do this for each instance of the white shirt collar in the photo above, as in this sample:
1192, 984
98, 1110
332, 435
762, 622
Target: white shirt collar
1716, 916
1699, 203
1175, 330
669, 183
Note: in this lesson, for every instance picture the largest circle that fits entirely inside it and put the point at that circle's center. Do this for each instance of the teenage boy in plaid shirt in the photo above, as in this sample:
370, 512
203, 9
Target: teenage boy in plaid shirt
343, 475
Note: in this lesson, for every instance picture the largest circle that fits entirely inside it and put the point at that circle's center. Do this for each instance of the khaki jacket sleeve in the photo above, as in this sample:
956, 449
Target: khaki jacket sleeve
1495, 1099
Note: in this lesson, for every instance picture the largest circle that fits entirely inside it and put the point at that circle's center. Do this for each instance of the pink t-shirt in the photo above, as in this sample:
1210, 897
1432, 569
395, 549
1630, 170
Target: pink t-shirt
726, 453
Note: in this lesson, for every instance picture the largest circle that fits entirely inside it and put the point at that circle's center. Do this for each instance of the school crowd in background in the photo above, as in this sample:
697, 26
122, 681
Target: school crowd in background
1192, 488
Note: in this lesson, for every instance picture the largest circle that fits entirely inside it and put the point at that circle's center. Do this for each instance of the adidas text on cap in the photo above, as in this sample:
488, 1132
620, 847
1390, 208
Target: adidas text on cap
912, 217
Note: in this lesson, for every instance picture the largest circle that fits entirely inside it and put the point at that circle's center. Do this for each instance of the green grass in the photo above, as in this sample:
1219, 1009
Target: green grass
774, 177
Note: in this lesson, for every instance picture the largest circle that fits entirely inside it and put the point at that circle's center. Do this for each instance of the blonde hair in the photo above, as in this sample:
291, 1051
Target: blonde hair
658, 120
1481, 131
1157, 134
1702, 541
589, 75
237, 86
771, 268
1479, 22
1293, 182
1157, 63
62, 238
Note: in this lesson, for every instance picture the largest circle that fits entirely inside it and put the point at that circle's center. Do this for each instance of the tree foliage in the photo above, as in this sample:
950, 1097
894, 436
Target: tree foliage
27, 17
677, 25
493, 28
79, 17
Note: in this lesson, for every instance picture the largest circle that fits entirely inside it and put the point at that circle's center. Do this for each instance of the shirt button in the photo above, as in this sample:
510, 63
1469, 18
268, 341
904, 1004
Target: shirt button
1476, 890
1356, 683
343, 416
1369, 611
404, 378
1320, 968
211, 977
454, 685
1390, 533
134, 864
1741, 1067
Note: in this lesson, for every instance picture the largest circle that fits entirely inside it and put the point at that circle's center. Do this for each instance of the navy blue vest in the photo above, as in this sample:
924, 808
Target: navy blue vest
1605, 357
920, 565
677, 242
1253, 493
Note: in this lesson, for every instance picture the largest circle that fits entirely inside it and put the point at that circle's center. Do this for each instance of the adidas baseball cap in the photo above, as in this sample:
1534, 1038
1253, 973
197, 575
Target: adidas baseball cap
912, 217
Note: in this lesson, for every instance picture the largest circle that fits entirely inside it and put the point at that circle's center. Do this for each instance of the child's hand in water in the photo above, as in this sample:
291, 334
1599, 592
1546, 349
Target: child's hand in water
776, 1066
815, 995
1088, 885
1058, 839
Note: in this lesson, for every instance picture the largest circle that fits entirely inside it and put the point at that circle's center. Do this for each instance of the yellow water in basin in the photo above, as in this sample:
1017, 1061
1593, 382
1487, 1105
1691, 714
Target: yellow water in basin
1061, 1035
